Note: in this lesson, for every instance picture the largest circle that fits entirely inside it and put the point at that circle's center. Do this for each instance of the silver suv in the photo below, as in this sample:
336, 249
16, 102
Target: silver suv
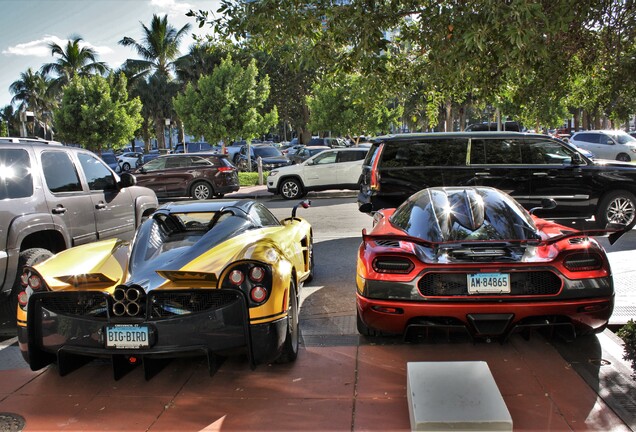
53, 197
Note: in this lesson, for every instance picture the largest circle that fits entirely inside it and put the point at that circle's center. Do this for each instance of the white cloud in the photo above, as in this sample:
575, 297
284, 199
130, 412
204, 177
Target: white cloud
40, 47
172, 7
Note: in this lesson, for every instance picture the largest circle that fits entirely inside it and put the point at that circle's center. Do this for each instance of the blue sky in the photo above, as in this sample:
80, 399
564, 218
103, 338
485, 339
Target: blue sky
28, 26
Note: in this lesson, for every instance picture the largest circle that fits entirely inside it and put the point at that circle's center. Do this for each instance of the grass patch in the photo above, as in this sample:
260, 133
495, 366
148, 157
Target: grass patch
251, 178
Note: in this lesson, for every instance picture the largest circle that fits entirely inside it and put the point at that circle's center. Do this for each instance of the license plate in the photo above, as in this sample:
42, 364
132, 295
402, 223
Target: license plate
488, 283
126, 336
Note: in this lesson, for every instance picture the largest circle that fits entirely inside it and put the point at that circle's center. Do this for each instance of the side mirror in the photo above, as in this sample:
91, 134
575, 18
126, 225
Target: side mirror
127, 180
309, 162
546, 204
577, 159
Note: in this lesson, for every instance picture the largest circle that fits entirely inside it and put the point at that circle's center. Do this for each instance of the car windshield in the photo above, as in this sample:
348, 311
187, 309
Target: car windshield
463, 214
623, 138
267, 152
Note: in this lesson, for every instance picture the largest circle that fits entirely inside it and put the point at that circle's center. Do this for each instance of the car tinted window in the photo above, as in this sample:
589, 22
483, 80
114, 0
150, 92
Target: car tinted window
177, 162
156, 164
109, 158
59, 172
587, 137
350, 156
97, 174
425, 153
327, 157
541, 152
495, 151
604, 139
315, 142
15, 174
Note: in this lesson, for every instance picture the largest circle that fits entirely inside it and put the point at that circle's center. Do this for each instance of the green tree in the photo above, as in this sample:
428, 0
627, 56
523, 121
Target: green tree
9, 118
227, 104
73, 60
30, 93
346, 104
97, 113
158, 49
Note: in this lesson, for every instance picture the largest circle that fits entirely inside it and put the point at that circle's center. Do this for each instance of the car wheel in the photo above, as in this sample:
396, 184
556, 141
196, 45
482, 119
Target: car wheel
290, 346
623, 157
202, 191
617, 207
291, 189
310, 277
29, 257
219, 195
363, 329
125, 166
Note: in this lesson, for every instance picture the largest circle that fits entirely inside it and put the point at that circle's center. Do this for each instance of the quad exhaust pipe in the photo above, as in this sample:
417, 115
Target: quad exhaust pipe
127, 301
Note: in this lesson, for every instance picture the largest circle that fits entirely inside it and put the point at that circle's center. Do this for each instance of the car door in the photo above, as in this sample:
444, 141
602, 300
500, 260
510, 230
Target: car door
179, 172
151, 175
69, 203
554, 175
497, 162
349, 167
320, 170
114, 209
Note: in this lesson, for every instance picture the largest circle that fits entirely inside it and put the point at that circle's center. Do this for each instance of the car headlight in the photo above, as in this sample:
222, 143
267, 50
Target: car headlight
273, 173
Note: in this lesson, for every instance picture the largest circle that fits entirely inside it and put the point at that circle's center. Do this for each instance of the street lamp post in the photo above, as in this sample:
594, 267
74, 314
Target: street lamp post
168, 125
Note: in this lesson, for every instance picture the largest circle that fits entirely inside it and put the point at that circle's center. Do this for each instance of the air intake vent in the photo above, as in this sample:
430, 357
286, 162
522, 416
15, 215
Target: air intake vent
388, 243
392, 265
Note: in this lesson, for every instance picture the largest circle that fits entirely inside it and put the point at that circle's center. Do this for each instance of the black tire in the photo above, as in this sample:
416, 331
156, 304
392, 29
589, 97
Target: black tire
292, 338
311, 261
363, 329
623, 157
125, 166
28, 257
201, 191
291, 188
618, 207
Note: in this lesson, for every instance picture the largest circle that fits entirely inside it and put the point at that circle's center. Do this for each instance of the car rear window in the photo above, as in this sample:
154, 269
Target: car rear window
495, 152
424, 153
267, 151
15, 174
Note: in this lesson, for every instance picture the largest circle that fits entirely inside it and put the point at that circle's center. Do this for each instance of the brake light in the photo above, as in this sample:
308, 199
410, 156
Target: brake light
392, 265
236, 277
583, 262
258, 294
375, 175
225, 169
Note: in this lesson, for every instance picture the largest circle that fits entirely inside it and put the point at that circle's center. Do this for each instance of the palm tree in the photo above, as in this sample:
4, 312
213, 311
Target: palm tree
31, 93
73, 60
158, 50
9, 117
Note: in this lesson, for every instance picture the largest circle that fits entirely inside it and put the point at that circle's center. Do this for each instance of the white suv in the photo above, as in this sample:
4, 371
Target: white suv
331, 169
607, 144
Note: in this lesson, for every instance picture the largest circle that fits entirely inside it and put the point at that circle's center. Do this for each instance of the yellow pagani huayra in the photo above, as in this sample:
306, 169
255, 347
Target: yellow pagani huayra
211, 278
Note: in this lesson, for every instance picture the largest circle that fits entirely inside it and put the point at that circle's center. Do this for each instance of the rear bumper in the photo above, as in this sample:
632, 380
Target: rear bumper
485, 319
53, 335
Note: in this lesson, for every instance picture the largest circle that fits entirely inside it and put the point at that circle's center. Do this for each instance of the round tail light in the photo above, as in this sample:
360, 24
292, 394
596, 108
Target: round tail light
236, 277
258, 294
257, 274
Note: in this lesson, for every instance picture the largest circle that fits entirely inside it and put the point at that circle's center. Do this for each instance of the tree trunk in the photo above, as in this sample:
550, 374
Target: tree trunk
159, 134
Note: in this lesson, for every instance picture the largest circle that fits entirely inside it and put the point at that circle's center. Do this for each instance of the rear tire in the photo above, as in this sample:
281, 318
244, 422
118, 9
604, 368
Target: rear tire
363, 329
290, 346
125, 166
28, 257
617, 206
201, 191
623, 157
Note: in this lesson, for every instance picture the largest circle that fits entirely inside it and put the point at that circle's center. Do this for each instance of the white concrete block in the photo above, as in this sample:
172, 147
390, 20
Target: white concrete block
455, 396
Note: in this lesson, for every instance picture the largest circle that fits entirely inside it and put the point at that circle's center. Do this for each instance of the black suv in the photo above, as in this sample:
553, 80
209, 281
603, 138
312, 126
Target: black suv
53, 197
529, 167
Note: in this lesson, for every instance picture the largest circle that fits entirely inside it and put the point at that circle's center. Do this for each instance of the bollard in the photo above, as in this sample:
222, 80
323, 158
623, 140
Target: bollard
259, 165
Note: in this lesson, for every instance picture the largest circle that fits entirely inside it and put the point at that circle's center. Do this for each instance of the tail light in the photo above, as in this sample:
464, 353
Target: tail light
225, 169
583, 262
392, 265
31, 282
254, 279
375, 175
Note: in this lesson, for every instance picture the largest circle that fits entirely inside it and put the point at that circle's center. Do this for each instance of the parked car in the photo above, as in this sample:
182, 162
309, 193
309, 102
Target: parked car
329, 142
329, 169
473, 259
607, 144
305, 153
149, 156
529, 167
111, 160
200, 278
129, 160
200, 176
289, 149
53, 197
271, 157
196, 147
